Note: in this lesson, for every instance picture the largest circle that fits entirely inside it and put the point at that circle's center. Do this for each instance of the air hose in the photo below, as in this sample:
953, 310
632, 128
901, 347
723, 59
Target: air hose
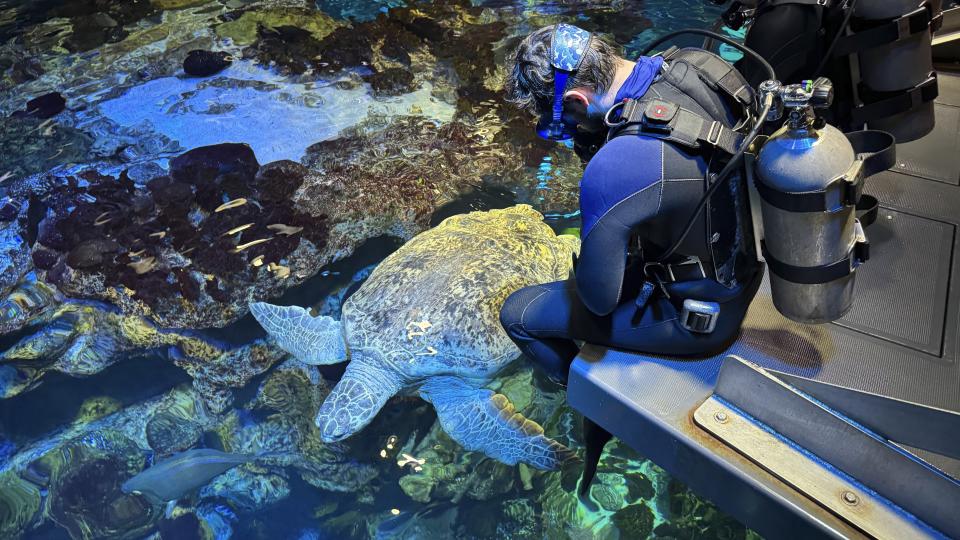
747, 141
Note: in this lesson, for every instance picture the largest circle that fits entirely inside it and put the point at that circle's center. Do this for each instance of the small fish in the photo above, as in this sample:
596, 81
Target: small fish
144, 266
286, 230
6, 176
231, 204
182, 473
102, 219
235, 230
278, 270
242, 247
258, 261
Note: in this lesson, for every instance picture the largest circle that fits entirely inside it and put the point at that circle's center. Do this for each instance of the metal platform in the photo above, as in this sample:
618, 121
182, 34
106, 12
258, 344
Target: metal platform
901, 340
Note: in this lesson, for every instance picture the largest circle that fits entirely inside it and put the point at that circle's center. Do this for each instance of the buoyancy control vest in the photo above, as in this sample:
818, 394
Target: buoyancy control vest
697, 103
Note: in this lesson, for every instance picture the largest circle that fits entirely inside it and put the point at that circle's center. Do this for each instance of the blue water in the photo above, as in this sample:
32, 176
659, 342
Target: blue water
124, 330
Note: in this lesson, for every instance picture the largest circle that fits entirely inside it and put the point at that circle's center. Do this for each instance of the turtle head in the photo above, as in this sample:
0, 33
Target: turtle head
356, 399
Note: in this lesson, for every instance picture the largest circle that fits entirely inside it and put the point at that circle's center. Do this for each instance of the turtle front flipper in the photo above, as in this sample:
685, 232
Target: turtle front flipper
480, 420
357, 398
312, 340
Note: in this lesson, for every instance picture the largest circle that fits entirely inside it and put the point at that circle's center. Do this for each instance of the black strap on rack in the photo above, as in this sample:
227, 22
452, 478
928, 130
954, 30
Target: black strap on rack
875, 151
811, 275
901, 101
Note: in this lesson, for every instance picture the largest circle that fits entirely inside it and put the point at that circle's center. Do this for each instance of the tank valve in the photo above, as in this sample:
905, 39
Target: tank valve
798, 100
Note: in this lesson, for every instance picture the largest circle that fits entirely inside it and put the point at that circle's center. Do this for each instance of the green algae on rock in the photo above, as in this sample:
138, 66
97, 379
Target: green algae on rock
634, 521
19, 505
244, 30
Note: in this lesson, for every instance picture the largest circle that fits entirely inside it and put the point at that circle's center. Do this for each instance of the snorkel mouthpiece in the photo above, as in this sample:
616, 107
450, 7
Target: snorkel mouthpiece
568, 46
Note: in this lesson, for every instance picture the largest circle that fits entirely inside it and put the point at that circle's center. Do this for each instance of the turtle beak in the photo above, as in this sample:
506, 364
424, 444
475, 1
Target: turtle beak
331, 431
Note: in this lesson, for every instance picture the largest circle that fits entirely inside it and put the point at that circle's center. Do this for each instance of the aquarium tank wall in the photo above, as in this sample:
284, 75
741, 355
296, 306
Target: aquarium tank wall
244, 295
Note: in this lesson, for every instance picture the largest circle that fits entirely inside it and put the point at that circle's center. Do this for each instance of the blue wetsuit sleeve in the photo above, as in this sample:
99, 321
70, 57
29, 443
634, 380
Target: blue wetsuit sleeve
620, 190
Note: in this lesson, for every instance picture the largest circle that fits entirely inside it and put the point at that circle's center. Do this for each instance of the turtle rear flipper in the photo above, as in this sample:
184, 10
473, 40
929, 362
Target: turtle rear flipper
480, 420
312, 340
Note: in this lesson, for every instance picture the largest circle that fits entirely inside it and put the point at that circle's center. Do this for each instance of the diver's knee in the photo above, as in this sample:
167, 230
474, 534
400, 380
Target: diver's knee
511, 314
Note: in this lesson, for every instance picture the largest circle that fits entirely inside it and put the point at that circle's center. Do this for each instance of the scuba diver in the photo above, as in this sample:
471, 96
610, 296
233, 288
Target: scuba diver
668, 263
669, 258
662, 269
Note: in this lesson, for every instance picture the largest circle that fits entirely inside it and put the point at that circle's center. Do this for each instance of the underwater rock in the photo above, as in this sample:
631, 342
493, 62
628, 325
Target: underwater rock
245, 29
277, 181
519, 521
343, 48
391, 82
96, 408
227, 162
634, 521
215, 376
85, 488
15, 263
290, 49
201, 63
177, 4
693, 517
183, 524
45, 106
95, 22
92, 253
247, 491
83, 338
639, 486
168, 434
19, 505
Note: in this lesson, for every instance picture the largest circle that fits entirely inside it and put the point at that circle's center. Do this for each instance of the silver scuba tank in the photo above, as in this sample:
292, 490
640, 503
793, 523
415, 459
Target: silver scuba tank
896, 58
809, 179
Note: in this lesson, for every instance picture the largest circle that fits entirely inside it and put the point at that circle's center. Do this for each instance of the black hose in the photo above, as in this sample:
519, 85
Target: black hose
836, 39
772, 75
723, 175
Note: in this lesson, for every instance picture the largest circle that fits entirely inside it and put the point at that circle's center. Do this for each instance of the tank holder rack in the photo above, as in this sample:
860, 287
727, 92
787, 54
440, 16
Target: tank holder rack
892, 31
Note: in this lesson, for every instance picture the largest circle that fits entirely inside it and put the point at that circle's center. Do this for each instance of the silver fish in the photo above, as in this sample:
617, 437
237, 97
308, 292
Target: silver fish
182, 473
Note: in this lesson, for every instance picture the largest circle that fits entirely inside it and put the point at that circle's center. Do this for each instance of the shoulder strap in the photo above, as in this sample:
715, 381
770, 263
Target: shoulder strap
717, 73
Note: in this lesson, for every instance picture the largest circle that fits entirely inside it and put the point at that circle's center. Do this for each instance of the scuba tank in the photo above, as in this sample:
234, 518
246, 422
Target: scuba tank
878, 53
809, 176
892, 40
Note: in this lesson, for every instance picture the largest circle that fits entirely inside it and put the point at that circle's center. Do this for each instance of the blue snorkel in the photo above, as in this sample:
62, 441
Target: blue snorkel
568, 46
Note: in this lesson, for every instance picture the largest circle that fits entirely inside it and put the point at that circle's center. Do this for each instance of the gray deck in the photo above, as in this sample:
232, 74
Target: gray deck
901, 339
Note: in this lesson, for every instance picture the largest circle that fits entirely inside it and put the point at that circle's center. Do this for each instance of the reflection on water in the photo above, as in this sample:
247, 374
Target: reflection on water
142, 208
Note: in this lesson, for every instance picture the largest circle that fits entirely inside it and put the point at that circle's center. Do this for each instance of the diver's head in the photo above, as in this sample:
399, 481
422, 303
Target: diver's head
586, 92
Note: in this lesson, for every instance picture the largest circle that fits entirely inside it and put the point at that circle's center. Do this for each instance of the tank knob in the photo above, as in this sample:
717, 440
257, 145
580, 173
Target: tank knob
822, 97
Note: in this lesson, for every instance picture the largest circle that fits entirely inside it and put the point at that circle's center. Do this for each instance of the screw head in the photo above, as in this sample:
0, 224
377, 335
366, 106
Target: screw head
720, 416
850, 498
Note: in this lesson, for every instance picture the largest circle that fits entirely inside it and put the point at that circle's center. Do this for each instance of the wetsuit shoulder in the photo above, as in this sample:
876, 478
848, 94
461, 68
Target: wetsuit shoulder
622, 168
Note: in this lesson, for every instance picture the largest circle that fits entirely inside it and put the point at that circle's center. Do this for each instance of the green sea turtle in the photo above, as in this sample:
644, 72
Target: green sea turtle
426, 321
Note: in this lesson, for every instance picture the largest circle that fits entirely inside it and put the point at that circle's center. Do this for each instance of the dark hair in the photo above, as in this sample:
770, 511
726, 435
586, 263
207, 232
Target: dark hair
530, 83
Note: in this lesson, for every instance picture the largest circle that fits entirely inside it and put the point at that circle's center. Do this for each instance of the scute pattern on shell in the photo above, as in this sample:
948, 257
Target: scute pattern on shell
452, 281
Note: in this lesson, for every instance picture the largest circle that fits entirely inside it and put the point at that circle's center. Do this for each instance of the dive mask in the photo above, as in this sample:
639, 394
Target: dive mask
568, 46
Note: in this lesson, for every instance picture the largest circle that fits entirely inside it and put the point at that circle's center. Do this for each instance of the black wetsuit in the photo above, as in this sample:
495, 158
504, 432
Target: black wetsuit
636, 195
